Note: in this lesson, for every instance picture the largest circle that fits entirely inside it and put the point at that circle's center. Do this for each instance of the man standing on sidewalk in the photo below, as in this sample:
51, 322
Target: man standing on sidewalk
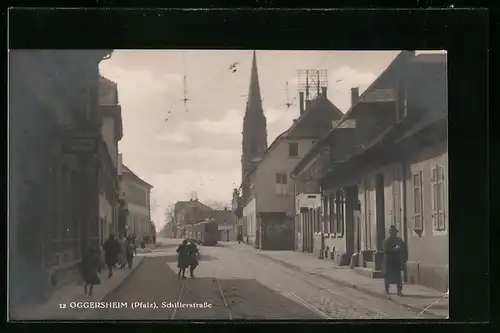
395, 258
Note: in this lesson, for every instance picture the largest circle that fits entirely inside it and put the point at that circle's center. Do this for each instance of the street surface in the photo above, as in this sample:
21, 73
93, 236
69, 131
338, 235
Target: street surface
238, 284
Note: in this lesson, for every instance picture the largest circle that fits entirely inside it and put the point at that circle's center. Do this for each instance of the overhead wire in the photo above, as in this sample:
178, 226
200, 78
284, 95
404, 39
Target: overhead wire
199, 88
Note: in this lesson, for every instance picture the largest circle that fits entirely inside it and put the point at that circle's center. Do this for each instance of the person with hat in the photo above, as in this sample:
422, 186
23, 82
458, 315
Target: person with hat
395, 258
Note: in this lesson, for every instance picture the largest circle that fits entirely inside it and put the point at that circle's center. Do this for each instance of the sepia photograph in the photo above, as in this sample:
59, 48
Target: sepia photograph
187, 184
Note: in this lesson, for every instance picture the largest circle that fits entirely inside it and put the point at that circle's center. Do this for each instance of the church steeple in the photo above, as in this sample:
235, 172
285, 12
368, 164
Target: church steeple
254, 124
254, 102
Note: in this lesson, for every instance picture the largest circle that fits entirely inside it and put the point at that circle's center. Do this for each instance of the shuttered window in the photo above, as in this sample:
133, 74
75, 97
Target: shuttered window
418, 225
438, 198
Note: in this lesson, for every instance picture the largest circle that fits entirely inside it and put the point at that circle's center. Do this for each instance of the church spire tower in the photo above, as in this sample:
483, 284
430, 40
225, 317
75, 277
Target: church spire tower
254, 124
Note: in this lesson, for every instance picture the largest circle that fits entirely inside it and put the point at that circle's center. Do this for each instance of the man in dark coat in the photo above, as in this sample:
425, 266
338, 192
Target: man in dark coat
112, 249
182, 259
395, 258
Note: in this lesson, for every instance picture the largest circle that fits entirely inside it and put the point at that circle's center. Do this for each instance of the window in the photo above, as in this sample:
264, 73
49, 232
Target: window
281, 184
418, 225
438, 200
325, 214
293, 149
340, 212
331, 217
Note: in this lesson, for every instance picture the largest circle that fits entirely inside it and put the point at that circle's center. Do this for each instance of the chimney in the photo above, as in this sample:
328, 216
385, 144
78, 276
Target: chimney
323, 92
354, 95
301, 102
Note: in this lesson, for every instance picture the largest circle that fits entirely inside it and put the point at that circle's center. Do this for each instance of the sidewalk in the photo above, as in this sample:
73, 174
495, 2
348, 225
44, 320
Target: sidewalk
416, 297
65, 295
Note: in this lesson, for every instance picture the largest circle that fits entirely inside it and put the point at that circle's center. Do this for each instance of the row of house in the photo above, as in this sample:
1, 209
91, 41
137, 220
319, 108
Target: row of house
333, 183
124, 197
56, 158
64, 186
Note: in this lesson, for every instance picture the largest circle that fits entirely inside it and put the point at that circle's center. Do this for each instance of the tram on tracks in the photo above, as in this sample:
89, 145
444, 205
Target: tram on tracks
204, 232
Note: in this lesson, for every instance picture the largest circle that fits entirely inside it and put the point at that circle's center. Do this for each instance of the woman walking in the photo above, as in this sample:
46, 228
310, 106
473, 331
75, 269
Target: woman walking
111, 250
193, 257
182, 259
89, 268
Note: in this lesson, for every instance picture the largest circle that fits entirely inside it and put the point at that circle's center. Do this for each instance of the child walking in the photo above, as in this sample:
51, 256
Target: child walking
90, 267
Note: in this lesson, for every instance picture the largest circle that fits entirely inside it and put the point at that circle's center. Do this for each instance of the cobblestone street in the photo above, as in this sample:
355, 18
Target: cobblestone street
238, 284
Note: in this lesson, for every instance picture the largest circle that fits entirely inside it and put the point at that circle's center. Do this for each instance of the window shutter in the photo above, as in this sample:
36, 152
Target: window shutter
441, 196
417, 223
434, 197
330, 214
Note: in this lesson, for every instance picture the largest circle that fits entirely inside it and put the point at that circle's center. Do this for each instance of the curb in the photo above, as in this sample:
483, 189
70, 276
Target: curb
349, 285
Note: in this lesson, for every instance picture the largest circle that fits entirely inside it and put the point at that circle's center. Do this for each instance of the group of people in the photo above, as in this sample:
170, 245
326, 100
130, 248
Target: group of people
187, 256
118, 251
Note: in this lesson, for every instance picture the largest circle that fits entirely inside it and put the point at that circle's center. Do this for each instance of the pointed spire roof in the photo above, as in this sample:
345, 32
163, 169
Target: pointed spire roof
254, 99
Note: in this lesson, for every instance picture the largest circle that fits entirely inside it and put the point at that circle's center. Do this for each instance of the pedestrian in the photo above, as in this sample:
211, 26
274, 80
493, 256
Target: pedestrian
130, 249
112, 249
134, 239
182, 259
395, 258
240, 238
89, 268
193, 253
122, 257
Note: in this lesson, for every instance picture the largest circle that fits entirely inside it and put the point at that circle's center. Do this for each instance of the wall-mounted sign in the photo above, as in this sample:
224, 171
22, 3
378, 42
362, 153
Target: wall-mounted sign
80, 142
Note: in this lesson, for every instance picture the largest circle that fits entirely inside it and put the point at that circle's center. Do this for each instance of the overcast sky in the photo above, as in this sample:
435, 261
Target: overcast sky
200, 150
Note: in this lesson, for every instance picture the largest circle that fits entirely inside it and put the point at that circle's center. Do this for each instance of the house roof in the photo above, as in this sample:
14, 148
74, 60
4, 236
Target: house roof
402, 56
296, 128
179, 205
126, 170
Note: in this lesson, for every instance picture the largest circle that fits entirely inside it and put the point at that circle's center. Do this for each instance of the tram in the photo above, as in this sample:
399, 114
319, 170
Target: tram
204, 232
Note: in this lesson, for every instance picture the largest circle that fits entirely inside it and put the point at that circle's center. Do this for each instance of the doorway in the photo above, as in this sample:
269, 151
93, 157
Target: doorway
380, 211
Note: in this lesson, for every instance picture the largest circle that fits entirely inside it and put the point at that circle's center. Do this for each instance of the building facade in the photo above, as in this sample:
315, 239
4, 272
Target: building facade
111, 134
137, 194
54, 124
271, 202
187, 212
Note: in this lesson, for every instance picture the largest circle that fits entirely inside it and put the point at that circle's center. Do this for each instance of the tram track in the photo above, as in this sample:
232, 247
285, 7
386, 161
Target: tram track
216, 286
338, 296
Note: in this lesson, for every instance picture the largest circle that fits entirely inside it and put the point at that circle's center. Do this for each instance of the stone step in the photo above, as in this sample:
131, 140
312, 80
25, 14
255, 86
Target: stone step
369, 272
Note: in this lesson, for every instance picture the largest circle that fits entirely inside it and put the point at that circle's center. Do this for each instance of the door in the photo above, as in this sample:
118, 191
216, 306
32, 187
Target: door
380, 211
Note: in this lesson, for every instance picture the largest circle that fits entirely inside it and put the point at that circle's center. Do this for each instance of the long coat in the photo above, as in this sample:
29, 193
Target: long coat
111, 250
193, 254
89, 268
183, 256
395, 258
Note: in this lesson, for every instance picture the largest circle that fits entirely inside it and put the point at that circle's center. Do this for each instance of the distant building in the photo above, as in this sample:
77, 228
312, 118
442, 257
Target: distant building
228, 229
187, 212
137, 194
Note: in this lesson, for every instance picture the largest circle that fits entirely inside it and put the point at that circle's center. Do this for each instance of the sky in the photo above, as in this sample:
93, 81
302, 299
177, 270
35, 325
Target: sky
181, 148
